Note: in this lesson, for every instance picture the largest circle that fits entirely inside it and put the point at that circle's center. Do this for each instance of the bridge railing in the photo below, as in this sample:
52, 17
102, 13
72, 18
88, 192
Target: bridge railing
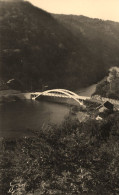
59, 93
103, 99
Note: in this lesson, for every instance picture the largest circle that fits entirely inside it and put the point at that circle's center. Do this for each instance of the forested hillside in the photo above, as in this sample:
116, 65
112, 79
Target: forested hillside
38, 48
109, 86
101, 37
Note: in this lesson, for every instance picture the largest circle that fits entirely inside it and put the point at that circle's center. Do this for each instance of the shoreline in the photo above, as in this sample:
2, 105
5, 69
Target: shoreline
13, 95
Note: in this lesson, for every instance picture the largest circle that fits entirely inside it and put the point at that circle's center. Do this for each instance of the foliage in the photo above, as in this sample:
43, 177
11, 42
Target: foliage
109, 87
40, 49
75, 158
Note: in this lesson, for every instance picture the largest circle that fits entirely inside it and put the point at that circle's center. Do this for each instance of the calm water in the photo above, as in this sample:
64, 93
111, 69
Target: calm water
16, 118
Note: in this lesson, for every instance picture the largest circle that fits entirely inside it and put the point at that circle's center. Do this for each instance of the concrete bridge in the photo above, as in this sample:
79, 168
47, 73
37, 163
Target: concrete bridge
61, 93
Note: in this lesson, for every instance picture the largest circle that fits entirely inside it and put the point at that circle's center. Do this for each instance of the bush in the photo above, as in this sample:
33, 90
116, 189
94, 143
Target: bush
75, 158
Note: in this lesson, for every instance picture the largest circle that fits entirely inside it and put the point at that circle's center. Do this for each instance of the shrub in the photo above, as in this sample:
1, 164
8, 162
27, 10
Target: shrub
75, 158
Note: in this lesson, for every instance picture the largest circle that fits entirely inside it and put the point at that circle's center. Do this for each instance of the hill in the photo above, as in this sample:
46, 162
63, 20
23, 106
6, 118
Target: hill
101, 38
39, 49
109, 86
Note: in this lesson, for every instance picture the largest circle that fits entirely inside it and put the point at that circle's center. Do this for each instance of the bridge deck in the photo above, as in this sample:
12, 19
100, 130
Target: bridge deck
36, 94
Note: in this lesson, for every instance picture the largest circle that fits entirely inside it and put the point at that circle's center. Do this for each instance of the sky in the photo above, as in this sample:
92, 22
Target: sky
103, 9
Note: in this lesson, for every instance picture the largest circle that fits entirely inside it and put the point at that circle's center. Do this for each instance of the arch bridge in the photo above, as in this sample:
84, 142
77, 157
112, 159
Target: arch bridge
62, 93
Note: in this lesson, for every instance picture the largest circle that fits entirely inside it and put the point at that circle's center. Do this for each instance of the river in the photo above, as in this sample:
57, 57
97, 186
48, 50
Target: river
16, 118
20, 116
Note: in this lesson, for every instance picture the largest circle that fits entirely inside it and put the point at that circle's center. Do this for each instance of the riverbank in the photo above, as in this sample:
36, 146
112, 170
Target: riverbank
8, 95
13, 95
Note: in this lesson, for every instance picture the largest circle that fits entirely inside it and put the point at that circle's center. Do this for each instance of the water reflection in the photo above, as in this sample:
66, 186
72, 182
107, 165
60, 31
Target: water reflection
17, 117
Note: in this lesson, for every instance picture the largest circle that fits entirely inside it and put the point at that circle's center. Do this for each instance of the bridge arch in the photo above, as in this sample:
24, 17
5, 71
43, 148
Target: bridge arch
70, 92
67, 93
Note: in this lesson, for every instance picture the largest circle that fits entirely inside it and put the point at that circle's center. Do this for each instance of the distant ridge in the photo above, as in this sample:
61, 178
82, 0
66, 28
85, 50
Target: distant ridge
61, 51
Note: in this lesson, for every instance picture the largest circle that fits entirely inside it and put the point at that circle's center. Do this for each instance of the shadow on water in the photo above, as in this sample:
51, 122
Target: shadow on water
16, 118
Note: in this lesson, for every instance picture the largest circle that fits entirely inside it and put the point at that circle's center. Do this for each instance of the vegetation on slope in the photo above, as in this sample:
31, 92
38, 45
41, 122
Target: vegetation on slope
109, 87
35, 48
75, 158
38, 49
100, 37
